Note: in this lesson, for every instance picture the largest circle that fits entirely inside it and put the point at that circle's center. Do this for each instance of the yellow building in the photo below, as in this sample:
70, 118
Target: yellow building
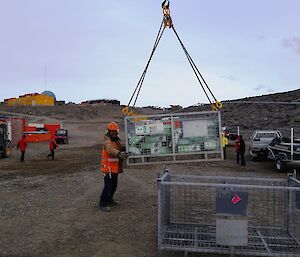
31, 100
11, 101
45, 100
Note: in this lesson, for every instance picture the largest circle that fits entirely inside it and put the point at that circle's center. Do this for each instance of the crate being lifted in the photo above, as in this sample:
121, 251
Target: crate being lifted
174, 138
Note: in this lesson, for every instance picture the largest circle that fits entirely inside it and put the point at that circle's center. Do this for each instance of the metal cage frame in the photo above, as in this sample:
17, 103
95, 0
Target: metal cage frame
192, 216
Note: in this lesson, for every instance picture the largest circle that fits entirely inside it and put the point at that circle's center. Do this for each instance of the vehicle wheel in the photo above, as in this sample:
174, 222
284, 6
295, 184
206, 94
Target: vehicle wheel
8, 150
280, 166
264, 157
251, 155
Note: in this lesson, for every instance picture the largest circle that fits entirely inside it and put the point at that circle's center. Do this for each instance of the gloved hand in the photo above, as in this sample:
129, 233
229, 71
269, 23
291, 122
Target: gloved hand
123, 155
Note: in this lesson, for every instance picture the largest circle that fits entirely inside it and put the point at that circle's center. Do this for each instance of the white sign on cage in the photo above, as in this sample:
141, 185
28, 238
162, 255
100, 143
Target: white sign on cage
194, 128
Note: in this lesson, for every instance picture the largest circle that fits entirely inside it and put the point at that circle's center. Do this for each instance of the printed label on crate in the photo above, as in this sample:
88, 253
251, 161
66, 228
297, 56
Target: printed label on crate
151, 128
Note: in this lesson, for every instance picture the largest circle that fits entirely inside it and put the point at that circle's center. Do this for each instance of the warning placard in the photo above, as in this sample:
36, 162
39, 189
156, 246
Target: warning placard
231, 202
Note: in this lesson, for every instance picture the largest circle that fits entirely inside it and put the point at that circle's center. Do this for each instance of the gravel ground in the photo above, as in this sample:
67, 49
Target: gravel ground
52, 212
49, 208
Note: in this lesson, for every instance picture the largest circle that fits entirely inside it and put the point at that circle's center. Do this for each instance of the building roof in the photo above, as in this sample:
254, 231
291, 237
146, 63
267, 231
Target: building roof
49, 93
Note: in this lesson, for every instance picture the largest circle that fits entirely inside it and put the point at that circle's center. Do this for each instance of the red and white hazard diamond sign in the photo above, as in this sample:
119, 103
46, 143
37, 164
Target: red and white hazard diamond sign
236, 199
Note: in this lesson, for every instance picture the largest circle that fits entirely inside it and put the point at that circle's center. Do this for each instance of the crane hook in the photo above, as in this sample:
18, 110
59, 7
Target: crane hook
165, 4
166, 11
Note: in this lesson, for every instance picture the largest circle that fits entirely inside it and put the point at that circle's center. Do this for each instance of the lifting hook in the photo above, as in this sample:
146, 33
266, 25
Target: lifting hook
166, 12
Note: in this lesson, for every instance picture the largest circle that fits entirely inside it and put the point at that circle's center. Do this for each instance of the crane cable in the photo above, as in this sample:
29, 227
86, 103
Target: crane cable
217, 104
141, 80
167, 22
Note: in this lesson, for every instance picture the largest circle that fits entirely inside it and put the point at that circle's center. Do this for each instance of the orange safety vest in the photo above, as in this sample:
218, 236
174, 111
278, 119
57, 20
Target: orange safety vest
109, 163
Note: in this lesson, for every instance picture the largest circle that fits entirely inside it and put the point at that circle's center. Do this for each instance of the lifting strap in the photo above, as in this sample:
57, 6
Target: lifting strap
167, 22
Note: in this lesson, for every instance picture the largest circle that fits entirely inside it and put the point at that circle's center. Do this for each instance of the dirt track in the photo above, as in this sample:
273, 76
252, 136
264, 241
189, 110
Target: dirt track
48, 208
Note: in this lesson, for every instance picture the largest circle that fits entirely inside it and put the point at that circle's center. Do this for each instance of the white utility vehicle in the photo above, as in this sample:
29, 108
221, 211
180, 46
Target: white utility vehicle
260, 141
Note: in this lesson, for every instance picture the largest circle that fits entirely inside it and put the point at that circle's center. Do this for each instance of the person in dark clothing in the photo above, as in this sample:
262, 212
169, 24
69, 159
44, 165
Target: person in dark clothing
240, 148
110, 187
52, 147
237, 146
242, 151
22, 144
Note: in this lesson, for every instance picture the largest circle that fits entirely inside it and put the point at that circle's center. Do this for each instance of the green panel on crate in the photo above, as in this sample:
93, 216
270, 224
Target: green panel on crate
184, 141
134, 140
188, 148
160, 150
190, 140
134, 150
154, 139
150, 145
211, 144
198, 139
167, 131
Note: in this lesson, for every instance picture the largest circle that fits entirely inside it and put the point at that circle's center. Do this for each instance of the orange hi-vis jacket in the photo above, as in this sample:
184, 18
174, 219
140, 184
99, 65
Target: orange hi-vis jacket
110, 156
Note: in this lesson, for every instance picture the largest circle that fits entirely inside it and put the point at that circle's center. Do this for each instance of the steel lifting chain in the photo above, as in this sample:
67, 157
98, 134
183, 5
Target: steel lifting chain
138, 87
167, 22
216, 105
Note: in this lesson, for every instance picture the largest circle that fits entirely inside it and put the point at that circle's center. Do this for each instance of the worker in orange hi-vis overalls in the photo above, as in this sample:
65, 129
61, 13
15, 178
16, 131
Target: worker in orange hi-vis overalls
111, 165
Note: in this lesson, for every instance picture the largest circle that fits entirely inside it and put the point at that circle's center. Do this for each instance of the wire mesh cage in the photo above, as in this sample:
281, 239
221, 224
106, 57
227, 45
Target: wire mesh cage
229, 215
173, 138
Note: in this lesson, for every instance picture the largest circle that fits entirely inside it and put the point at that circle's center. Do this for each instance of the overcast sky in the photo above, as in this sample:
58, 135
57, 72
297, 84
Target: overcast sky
98, 49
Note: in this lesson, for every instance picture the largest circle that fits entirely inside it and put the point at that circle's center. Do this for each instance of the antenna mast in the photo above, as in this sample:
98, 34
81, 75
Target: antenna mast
45, 77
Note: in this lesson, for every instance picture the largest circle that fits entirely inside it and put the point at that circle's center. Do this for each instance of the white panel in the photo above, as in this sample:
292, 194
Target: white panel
194, 128
9, 134
37, 125
149, 128
232, 232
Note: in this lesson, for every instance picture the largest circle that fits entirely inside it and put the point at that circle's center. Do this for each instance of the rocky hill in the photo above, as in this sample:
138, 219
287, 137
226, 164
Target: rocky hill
259, 113
248, 113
